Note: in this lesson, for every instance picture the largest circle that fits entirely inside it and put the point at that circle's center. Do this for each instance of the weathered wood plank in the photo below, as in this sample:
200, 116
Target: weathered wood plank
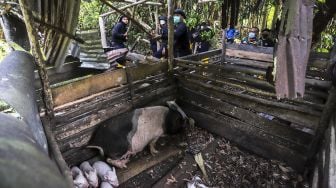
100, 82
302, 116
88, 86
224, 68
225, 127
95, 102
136, 167
250, 55
247, 116
252, 129
253, 90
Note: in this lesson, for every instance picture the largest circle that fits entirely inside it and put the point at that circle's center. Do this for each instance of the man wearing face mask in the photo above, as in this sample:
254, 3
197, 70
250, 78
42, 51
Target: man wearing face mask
163, 35
266, 39
252, 38
181, 38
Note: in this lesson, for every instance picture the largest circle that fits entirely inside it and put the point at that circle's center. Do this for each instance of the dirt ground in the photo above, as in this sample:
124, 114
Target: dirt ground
226, 165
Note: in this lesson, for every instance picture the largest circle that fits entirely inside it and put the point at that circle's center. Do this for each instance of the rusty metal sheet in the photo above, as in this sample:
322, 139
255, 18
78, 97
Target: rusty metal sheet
17, 89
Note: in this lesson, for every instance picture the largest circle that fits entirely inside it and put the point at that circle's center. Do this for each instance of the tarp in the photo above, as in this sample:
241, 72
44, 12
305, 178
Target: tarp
17, 90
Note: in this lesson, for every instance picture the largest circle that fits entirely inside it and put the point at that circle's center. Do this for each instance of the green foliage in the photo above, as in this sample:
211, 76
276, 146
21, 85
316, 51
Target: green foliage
89, 14
4, 49
326, 43
207, 35
193, 20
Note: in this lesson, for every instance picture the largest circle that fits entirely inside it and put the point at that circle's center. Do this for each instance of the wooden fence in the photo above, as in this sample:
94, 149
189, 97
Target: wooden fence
234, 99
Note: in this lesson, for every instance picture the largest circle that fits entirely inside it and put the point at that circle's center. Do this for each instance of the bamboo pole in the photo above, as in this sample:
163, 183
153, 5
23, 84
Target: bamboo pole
47, 96
170, 35
102, 32
124, 7
38, 54
141, 26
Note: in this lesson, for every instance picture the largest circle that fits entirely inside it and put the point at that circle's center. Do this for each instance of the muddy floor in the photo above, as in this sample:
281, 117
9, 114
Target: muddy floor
226, 165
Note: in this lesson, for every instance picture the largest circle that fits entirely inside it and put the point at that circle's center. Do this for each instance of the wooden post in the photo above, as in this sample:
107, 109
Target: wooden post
223, 45
170, 35
102, 32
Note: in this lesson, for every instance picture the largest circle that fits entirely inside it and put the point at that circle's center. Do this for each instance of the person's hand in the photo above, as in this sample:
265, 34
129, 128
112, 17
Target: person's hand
163, 51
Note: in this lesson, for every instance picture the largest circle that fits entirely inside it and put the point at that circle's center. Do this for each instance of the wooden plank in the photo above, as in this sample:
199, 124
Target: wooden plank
252, 90
222, 127
100, 82
88, 86
136, 167
250, 128
247, 116
101, 101
224, 68
302, 116
73, 105
250, 55
329, 174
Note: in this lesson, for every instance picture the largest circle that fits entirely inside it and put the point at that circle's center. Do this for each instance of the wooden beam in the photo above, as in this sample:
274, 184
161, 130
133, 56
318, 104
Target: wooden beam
250, 55
306, 117
147, 3
124, 7
102, 32
251, 121
100, 82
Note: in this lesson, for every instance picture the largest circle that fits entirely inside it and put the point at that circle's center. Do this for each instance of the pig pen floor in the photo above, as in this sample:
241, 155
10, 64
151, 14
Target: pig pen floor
225, 163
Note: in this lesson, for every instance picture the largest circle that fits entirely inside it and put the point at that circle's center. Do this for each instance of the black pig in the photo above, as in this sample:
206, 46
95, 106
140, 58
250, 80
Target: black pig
123, 136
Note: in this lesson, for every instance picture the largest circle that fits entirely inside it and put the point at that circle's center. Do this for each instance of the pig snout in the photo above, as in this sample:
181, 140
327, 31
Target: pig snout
90, 174
78, 178
105, 185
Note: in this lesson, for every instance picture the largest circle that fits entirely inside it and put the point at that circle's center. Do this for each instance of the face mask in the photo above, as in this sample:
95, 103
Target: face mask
176, 19
162, 22
251, 35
